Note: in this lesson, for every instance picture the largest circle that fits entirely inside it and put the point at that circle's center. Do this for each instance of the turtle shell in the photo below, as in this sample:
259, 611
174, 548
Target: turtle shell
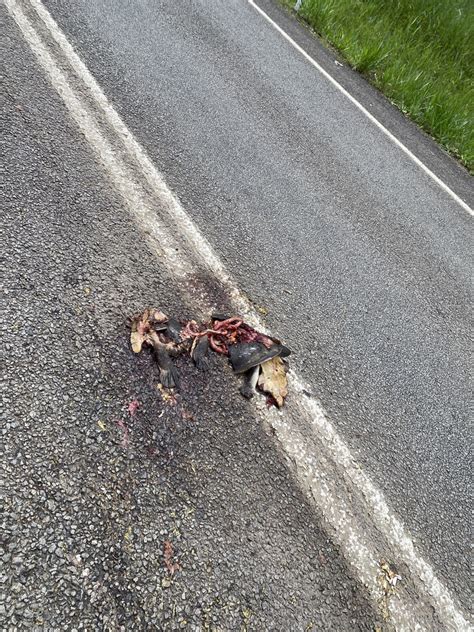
245, 355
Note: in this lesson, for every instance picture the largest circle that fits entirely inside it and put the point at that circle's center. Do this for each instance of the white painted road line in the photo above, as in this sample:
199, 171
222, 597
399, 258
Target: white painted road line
138, 154
322, 462
360, 107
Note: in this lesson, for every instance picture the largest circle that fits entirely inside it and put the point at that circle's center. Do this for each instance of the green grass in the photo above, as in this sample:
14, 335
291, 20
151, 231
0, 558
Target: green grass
420, 53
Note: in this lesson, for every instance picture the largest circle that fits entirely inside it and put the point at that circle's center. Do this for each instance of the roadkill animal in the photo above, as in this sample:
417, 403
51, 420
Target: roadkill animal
258, 357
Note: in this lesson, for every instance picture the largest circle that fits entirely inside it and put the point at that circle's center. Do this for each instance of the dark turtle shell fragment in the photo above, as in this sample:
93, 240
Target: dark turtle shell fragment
245, 355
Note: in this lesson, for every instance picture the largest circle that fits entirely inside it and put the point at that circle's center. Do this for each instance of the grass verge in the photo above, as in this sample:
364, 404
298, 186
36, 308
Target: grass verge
418, 52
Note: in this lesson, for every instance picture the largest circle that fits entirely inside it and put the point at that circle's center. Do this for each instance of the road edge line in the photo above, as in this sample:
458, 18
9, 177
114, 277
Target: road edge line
364, 110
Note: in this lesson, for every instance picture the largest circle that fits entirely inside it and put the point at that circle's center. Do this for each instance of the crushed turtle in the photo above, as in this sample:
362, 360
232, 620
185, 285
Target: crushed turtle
252, 354
262, 366
247, 355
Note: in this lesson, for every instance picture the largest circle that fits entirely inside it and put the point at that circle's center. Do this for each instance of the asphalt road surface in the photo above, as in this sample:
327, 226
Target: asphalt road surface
361, 259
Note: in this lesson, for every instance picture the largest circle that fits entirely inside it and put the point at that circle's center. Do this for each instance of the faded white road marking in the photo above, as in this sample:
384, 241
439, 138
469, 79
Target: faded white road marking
359, 106
355, 512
